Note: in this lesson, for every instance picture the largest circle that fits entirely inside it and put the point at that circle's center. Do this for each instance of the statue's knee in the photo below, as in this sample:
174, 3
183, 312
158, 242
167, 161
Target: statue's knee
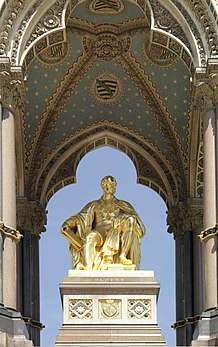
91, 239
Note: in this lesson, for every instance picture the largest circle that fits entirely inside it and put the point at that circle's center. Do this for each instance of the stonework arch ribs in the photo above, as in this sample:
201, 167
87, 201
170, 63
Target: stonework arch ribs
59, 176
158, 109
201, 14
178, 26
106, 134
54, 108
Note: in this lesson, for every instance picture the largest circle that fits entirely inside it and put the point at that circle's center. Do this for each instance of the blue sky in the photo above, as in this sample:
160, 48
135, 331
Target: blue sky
157, 246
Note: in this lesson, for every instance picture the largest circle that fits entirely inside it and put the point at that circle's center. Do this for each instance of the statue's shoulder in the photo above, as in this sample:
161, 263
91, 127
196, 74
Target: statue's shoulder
124, 204
90, 205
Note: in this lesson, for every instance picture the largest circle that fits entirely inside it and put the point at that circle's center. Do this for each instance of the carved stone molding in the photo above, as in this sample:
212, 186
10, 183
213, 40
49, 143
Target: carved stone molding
50, 20
164, 20
31, 216
194, 29
202, 12
12, 91
185, 216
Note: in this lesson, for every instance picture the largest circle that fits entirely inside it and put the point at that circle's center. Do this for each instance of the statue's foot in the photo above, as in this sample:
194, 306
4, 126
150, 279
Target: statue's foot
108, 259
124, 260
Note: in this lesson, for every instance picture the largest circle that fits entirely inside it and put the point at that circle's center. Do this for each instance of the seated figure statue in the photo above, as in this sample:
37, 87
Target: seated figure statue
106, 231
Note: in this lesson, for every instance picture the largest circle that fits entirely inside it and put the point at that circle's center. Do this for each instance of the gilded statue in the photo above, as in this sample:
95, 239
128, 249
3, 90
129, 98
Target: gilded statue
106, 231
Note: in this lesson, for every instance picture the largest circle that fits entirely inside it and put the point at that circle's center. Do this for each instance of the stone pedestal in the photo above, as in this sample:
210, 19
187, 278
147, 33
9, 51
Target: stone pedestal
109, 308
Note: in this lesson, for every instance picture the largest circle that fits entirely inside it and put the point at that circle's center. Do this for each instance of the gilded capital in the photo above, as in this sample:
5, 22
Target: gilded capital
31, 216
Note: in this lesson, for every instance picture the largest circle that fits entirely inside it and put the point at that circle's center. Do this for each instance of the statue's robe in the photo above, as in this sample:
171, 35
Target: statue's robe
84, 221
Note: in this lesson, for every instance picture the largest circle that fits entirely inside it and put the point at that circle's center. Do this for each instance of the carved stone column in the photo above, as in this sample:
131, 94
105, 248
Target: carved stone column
31, 218
13, 330
210, 243
9, 209
11, 97
183, 220
207, 330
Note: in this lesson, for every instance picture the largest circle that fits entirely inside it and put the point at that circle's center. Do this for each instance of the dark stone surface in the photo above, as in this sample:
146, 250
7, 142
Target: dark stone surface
11, 322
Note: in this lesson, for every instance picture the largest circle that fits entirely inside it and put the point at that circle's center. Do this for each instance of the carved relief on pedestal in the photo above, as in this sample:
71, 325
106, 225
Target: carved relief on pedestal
110, 308
139, 309
80, 309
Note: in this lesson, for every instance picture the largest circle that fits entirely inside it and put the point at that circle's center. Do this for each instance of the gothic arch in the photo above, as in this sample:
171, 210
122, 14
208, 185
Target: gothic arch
59, 169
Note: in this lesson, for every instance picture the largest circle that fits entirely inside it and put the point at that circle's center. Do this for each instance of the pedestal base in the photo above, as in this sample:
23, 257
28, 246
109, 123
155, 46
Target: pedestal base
207, 330
13, 330
109, 308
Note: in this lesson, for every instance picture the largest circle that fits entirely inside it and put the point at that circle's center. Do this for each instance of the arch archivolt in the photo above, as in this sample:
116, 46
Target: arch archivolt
59, 169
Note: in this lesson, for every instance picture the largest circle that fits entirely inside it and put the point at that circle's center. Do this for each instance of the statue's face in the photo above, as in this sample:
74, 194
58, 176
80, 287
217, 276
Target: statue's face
109, 185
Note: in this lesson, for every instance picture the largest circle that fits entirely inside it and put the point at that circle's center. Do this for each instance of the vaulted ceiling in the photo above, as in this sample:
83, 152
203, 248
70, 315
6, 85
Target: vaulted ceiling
120, 68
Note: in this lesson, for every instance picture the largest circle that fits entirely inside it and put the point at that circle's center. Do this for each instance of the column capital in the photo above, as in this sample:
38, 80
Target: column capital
185, 216
31, 216
206, 84
12, 89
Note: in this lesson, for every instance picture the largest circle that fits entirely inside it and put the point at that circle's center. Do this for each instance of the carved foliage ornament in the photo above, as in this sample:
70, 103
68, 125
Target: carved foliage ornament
12, 91
183, 217
207, 91
51, 20
31, 216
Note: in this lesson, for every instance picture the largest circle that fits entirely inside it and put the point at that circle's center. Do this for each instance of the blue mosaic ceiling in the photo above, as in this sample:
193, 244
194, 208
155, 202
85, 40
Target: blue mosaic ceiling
86, 103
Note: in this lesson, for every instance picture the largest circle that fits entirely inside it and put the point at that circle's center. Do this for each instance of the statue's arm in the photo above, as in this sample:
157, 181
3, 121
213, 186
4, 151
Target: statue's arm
128, 208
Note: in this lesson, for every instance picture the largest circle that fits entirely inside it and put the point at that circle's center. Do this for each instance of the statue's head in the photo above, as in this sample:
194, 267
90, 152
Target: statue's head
108, 184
